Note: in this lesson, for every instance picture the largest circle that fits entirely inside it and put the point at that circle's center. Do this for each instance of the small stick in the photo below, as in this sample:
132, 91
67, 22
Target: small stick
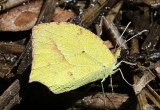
9, 94
11, 3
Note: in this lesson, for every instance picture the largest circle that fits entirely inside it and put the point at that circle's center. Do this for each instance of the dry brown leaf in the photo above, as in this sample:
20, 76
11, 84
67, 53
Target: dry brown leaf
21, 18
108, 44
61, 15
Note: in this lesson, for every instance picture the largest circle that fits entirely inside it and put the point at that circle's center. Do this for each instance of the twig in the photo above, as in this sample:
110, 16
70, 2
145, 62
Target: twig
112, 29
141, 97
10, 94
11, 3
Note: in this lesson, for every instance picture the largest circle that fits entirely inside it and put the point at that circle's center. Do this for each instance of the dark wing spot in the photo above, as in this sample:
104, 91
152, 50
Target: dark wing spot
80, 32
70, 74
58, 23
83, 51
48, 64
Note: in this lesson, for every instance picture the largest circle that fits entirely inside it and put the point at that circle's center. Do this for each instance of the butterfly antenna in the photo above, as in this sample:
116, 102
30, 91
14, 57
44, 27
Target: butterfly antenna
123, 33
125, 29
136, 35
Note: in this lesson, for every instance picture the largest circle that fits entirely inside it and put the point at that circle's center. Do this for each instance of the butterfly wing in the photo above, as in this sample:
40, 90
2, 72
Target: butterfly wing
66, 56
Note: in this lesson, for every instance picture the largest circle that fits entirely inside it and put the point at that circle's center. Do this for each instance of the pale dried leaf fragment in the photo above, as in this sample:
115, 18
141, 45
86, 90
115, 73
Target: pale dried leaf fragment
158, 70
21, 18
108, 44
157, 67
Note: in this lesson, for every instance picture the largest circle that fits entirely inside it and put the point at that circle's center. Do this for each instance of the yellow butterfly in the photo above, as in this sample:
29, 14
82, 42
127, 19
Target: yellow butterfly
67, 56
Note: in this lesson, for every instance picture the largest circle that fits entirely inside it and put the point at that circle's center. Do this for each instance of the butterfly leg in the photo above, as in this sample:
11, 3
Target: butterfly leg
111, 82
123, 76
117, 65
118, 69
103, 90
102, 84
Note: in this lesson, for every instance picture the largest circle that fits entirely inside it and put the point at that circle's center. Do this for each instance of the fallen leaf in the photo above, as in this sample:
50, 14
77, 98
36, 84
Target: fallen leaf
21, 18
61, 15
108, 44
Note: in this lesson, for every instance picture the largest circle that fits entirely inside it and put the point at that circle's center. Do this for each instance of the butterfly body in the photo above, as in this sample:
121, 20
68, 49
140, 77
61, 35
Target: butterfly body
67, 56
